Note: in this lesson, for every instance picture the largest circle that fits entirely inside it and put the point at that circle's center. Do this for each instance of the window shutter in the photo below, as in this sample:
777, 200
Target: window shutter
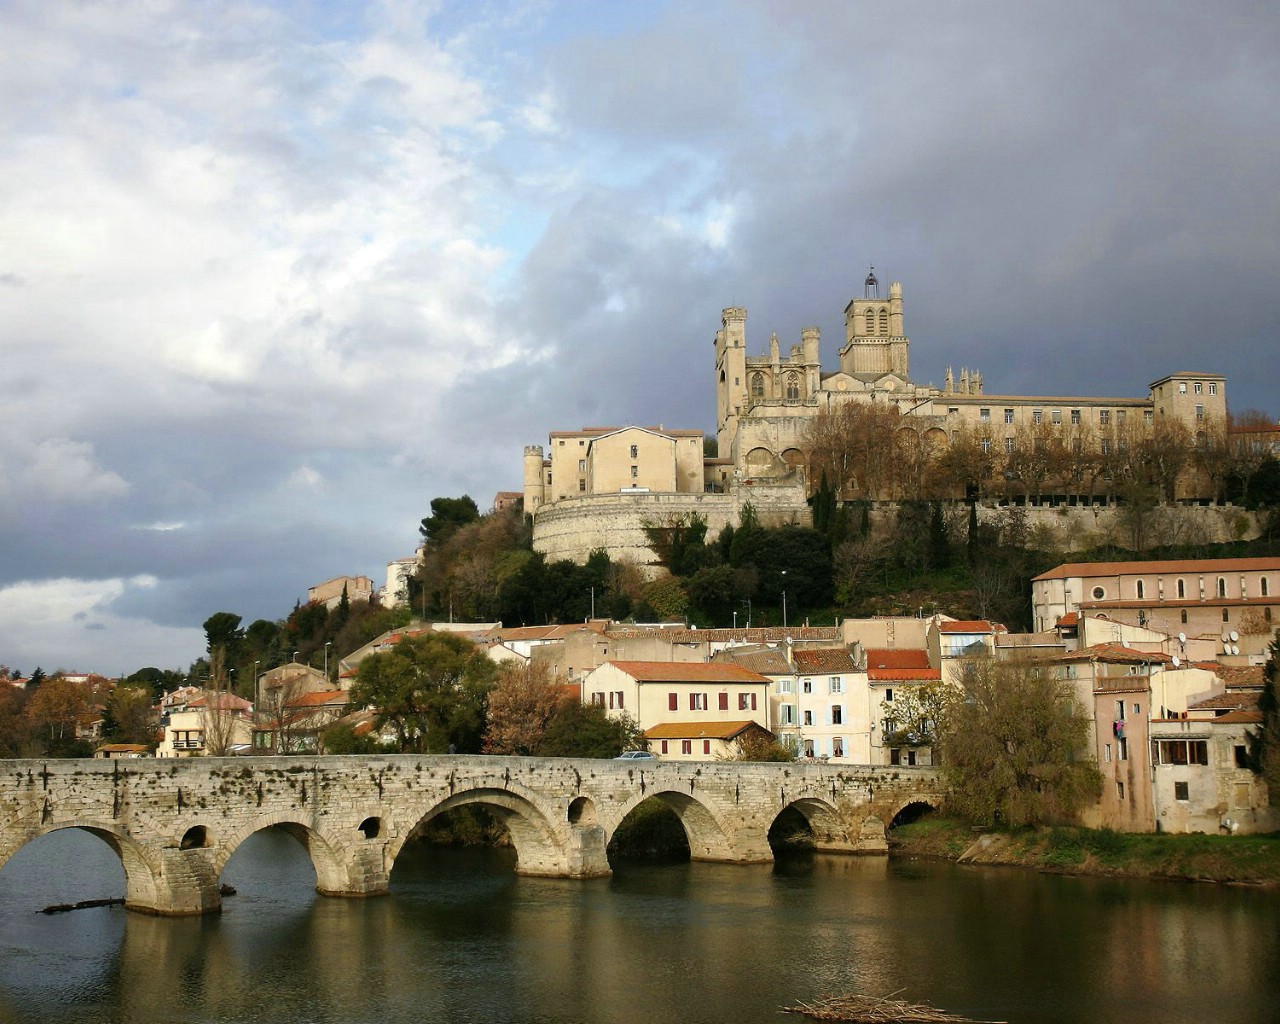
753, 702
724, 701
673, 702
706, 746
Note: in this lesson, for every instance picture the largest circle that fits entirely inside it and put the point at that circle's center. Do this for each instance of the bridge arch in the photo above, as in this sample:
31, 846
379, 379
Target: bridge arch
912, 809
829, 831
539, 846
327, 856
139, 871
707, 836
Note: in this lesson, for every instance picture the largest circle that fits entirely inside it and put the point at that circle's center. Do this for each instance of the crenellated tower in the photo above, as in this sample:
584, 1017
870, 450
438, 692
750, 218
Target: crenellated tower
875, 342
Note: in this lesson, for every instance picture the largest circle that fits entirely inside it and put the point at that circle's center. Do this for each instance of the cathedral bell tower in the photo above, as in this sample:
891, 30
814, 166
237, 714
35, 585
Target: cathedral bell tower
875, 343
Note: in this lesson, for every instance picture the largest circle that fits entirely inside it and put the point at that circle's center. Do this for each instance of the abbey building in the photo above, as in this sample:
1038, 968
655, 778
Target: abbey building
595, 487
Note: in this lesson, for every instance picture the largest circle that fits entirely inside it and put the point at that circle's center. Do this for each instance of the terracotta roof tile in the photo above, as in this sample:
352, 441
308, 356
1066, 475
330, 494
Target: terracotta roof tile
886, 675
828, 660
896, 657
687, 672
698, 730
1183, 565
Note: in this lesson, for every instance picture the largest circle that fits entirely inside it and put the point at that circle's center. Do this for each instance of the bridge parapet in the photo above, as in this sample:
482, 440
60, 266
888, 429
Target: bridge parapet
176, 823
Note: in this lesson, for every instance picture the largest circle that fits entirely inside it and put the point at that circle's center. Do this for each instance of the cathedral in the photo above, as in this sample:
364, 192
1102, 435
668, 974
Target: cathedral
764, 403
597, 486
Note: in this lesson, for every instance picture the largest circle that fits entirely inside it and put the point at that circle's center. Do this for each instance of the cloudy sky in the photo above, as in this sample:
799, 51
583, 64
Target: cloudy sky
273, 275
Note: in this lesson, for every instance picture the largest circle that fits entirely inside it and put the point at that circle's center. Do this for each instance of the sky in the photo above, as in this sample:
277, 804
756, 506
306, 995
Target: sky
274, 275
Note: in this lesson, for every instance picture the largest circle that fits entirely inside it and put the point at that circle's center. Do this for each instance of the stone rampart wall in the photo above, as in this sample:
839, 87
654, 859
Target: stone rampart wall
574, 527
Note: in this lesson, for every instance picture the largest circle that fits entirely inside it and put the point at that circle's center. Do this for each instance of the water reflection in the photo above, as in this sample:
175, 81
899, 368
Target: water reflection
463, 938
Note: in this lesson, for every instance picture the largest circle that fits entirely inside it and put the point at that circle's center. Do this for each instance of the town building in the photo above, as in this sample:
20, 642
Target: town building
1236, 600
692, 696
330, 592
214, 724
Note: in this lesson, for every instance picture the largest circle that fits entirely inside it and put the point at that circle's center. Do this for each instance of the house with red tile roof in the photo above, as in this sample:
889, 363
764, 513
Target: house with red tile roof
702, 741
656, 693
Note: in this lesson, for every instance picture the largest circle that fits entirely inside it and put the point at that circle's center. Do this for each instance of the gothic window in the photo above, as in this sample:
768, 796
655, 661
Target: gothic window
1222, 587
757, 385
793, 385
1142, 590
1263, 583
871, 321
1182, 590
884, 321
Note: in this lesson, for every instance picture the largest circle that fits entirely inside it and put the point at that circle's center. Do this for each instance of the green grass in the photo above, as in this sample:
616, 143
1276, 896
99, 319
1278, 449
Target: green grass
1243, 859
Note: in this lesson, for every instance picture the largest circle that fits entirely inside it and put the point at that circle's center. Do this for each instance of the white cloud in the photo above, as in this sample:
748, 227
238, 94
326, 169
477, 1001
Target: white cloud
57, 470
69, 624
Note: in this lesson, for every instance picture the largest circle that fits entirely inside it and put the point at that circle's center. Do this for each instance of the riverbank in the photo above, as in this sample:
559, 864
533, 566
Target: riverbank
1242, 860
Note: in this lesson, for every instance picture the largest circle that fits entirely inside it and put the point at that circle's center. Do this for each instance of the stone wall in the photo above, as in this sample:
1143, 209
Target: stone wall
175, 824
574, 527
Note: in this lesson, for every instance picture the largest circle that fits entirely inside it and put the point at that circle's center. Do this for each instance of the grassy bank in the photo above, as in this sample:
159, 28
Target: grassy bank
1252, 860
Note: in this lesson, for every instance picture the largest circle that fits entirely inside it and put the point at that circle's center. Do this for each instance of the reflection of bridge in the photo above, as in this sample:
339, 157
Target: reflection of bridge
176, 823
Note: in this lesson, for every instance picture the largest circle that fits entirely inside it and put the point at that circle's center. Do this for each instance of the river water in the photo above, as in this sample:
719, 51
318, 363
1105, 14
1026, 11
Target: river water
462, 938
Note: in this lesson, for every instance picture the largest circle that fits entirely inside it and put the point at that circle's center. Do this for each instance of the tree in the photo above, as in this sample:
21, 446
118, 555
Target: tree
521, 707
128, 715
447, 516
912, 718
58, 709
430, 689
1011, 745
1265, 742
587, 730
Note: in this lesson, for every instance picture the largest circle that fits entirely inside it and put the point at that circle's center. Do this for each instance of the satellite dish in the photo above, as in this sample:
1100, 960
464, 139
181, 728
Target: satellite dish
1176, 661
1182, 638
1235, 649
1234, 636
1225, 638
1124, 642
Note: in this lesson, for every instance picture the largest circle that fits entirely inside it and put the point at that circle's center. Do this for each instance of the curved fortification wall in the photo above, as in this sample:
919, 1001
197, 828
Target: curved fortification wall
574, 527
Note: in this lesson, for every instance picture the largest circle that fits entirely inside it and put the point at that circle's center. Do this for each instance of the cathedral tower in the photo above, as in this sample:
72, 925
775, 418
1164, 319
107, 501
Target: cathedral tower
875, 343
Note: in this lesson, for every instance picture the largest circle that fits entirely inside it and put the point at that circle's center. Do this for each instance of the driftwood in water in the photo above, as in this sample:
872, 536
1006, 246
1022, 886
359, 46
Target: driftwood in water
856, 1009
62, 908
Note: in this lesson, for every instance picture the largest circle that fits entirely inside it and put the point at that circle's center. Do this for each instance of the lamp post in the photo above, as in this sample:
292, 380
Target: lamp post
295, 657
784, 598
748, 603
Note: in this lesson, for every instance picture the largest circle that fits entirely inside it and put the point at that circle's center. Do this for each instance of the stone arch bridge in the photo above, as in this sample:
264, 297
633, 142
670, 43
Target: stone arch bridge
176, 823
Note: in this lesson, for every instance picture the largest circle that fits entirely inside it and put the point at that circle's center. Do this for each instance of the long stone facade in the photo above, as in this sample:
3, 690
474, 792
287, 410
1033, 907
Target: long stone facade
574, 527
175, 824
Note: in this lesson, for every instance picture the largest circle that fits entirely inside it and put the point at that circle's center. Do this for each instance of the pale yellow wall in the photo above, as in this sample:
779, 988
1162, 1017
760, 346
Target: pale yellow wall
648, 703
632, 458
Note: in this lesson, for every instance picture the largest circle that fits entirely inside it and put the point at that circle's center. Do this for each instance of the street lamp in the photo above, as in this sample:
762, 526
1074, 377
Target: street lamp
784, 598
295, 656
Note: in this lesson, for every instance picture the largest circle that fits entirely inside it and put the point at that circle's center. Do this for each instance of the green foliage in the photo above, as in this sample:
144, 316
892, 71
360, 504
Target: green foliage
1264, 743
586, 730
341, 738
758, 746
713, 595
447, 516
431, 690
666, 598
222, 629
1011, 746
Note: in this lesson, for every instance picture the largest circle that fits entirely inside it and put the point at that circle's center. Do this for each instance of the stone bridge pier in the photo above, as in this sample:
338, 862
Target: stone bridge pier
176, 823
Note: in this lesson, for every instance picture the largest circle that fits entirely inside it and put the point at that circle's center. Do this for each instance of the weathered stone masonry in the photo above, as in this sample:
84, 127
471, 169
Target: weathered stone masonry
176, 823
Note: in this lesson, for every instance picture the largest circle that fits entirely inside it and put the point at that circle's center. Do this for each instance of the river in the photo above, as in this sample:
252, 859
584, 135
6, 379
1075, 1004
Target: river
462, 938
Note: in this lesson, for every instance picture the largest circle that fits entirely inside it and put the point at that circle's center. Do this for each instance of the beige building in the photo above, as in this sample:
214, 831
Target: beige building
214, 724
1233, 600
693, 696
765, 403
329, 593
